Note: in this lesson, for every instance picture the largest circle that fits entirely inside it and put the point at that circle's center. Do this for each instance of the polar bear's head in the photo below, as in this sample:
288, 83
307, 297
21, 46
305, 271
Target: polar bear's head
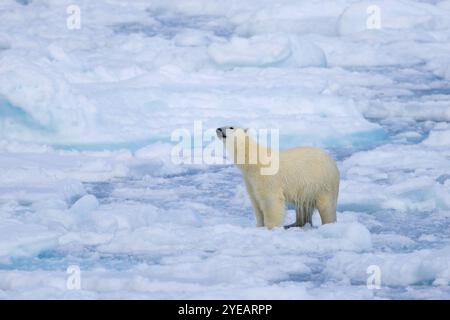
237, 142
244, 150
230, 132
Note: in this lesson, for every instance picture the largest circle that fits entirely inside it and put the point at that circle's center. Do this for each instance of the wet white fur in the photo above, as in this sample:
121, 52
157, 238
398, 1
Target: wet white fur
307, 177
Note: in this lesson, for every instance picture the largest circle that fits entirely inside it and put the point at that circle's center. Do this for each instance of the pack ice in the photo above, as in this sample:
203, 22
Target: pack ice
86, 176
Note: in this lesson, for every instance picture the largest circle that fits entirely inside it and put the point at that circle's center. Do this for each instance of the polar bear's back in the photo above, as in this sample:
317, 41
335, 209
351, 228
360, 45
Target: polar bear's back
307, 172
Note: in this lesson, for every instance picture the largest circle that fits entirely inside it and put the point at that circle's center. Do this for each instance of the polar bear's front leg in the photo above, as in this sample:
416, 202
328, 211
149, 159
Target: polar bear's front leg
258, 213
256, 208
273, 210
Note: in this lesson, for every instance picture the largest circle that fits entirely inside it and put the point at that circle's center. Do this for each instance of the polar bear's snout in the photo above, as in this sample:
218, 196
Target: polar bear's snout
221, 133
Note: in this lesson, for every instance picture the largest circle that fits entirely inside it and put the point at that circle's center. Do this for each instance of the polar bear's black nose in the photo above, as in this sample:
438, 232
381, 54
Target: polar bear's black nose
220, 133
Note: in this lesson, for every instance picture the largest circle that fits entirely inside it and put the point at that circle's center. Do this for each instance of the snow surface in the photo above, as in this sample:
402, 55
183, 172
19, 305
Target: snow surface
86, 118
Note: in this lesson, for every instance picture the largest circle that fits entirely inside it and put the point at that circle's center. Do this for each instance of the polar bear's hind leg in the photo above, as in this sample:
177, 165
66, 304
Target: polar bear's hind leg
326, 204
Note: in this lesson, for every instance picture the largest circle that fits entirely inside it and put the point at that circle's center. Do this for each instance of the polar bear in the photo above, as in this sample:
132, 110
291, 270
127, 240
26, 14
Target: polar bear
307, 177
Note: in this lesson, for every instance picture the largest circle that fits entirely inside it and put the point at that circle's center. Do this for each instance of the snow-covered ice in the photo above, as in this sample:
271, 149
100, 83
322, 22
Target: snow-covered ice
86, 176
